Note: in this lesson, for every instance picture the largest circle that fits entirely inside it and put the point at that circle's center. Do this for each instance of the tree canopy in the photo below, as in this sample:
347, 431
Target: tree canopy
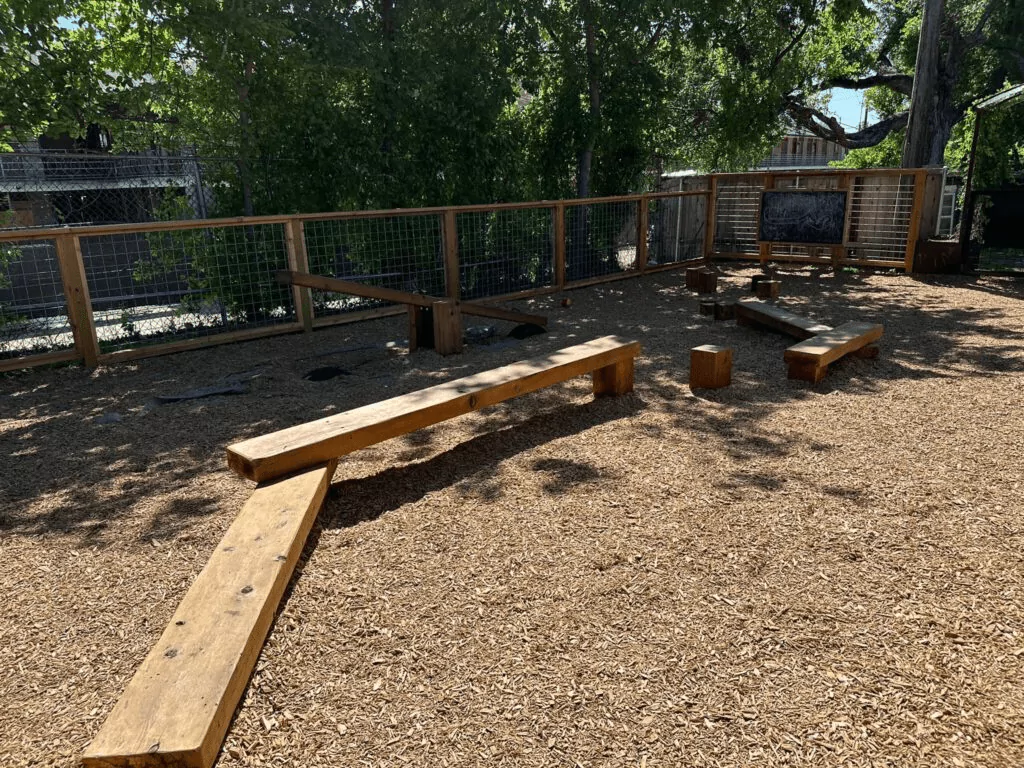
327, 104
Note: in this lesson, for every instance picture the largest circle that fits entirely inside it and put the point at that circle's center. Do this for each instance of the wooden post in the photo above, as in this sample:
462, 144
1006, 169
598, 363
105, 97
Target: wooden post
768, 289
298, 261
839, 251
725, 310
614, 379
693, 277
642, 213
450, 238
764, 249
707, 281
710, 367
558, 223
421, 327
709, 217
915, 220
76, 293
447, 327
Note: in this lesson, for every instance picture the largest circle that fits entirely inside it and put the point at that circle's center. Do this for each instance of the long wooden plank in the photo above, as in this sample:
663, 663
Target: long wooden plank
751, 311
177, 708
829, 346
337, 285
305, 445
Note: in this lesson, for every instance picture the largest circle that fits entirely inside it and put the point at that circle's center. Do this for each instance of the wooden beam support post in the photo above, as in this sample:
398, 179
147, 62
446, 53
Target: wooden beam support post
642, 213
76, 293
421, 327
614, 380
450, 239
298, 261
558, 226
447, 327
177, 708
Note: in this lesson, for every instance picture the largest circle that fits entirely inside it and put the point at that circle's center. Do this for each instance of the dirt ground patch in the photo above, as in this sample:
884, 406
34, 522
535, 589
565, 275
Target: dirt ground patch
770, 574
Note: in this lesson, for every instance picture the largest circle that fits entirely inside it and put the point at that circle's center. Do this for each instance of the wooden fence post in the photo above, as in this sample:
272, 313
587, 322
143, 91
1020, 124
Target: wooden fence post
298, 261
709, 217
76, 293
558, 224
764, 249
914, 226
450, 240
839, 252
643, 211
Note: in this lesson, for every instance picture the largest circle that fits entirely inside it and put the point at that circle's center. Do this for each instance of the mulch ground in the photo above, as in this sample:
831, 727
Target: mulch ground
770, 574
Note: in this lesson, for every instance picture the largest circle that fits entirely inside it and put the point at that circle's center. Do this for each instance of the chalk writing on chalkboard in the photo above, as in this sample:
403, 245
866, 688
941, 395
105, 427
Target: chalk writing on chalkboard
802, 217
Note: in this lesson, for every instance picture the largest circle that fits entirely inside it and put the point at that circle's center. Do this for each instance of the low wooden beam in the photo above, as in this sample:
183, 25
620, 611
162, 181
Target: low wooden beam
312, 443
177, 708
336, 285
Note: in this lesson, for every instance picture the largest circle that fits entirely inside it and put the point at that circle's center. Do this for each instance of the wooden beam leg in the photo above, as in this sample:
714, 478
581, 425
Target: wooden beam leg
447, 327
869, 352
421, 328
807, 371
614, 379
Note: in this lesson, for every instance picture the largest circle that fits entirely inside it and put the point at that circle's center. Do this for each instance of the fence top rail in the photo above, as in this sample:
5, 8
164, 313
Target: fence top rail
793, 172
50, 233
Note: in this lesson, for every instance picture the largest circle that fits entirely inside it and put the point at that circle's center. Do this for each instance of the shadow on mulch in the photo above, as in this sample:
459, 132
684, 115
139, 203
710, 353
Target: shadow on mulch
90, 481
472, 465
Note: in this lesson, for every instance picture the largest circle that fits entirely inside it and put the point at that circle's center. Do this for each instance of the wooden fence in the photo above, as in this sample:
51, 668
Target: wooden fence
101, 294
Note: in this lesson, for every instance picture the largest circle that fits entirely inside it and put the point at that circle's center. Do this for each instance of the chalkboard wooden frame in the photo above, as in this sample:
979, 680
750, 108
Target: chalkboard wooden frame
841, 197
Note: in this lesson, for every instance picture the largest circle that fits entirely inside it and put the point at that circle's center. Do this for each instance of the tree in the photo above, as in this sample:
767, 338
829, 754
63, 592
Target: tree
980, 44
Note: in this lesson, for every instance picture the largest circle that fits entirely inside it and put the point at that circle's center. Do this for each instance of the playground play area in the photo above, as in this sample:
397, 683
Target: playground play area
774, 572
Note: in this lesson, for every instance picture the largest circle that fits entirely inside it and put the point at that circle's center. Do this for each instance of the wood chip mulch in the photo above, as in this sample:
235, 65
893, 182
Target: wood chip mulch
772, 574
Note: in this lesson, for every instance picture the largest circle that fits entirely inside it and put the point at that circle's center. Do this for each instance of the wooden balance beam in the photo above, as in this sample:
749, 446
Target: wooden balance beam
822, 345
752, 312
809, 360
177, 708
433, 321
610, 359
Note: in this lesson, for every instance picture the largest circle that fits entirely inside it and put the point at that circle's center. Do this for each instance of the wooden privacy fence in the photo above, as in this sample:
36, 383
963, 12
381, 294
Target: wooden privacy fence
101, 294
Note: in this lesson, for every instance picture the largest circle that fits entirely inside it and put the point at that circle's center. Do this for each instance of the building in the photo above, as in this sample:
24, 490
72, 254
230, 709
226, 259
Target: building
801, 149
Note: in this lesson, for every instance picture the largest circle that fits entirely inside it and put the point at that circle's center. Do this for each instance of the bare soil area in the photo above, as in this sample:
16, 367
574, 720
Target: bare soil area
775, 573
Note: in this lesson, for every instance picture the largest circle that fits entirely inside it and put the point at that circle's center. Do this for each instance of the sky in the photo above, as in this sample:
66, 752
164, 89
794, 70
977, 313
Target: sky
847, 105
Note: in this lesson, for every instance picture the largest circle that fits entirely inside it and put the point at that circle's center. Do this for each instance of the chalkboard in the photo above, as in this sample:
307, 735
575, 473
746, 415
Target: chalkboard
802, 217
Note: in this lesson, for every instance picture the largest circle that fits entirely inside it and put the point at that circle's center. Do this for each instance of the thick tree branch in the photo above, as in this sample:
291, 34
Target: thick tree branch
789, 47
827, 127
977, 35
897, 81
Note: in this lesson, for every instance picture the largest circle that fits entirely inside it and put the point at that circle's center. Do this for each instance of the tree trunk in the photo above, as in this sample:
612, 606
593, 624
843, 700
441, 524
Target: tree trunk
594, 88
923, 123
244, 174
387, 20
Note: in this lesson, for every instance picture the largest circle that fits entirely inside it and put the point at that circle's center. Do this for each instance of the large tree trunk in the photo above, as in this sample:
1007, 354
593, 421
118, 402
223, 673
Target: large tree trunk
920, 140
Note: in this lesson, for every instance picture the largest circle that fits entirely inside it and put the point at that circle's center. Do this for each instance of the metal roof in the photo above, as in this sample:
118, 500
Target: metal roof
1003, 97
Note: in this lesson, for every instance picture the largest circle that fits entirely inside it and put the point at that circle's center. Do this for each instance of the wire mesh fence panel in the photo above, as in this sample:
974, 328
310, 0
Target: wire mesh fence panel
600, 239
505, 251
675, 229
403, 253
736, 206
45, 188
880, 211
154, 287
33, 310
